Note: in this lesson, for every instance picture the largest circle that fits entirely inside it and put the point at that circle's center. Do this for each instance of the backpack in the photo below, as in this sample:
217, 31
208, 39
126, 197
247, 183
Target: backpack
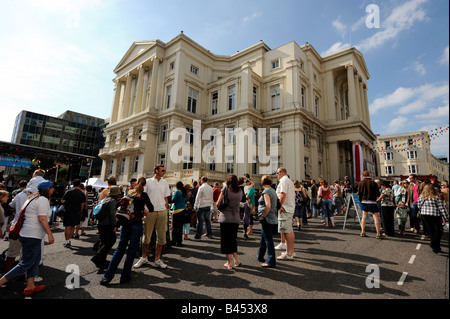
125, 213
100, 211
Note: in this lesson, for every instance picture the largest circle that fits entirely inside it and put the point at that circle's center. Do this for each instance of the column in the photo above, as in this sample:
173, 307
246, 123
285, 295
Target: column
333, 160
121, 100
358, 97
144, 93
140, 90
246, 86
154, 83
366, 107
126, 99
330, 103
116, 101
351, 92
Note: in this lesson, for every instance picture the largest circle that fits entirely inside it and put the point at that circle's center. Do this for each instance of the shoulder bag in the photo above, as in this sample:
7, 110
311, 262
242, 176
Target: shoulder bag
15, 229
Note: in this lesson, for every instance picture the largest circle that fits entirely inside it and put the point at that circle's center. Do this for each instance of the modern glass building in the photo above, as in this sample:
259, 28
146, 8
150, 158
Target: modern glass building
70, 132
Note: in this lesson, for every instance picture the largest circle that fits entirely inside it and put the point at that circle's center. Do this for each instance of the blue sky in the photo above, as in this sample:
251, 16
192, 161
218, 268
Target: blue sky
59, 55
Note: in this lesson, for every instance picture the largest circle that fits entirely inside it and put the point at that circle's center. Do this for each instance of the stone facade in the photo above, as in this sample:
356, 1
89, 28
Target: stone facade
316, 107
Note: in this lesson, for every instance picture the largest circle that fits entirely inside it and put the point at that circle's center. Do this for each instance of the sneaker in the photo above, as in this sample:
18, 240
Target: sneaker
280, 246
140, 262
285, 256
160, 264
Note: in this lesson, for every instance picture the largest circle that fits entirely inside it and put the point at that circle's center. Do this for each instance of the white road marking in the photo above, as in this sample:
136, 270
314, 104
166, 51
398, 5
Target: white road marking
411, 260
418, 246
402, 279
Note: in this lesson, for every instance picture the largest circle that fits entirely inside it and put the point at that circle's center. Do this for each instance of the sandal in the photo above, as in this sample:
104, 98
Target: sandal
363, 235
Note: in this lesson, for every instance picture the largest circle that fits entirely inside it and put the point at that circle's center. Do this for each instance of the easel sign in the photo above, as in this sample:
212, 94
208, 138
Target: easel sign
354, 203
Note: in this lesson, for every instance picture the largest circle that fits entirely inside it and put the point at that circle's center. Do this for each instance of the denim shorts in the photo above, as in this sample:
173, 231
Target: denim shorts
369, 208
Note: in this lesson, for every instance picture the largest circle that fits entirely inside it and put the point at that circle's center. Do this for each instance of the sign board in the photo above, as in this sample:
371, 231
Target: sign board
11, 161
353, 203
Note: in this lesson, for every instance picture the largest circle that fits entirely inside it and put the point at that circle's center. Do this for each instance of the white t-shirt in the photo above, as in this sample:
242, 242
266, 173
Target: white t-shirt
157, 191
31, 227
287, 186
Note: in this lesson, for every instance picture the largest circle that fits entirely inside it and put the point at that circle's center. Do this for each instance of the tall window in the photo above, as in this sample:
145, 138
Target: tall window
214, 102
316, 106
229, 160
189, 137
275, 97
255, 97
231, 98
169, 94
303, 93
231, 137
162, 159
192, 101
136, 164
164, 133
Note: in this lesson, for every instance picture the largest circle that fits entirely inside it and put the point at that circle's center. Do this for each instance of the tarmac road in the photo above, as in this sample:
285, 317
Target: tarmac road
330, 263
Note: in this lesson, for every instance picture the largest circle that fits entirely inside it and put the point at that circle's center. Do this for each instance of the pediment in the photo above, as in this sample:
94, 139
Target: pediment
136, 49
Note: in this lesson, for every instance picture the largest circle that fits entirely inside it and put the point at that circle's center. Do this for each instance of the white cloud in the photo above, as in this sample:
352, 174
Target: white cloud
445, 57
339, 26
396, 125
336, 47
434, 113
252, 17
401, 18
409, 100
419, 68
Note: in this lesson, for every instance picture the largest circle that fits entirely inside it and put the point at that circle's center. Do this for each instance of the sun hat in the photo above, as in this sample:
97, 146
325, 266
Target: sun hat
114, 191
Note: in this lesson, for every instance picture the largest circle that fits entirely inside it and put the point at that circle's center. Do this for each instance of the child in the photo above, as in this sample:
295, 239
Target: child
402, 214
187, 221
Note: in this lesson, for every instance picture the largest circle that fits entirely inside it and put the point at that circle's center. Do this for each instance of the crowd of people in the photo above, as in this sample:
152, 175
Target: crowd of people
159, 217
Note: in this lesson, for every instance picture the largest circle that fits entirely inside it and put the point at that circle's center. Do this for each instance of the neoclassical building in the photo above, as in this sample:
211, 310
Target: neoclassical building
200, 113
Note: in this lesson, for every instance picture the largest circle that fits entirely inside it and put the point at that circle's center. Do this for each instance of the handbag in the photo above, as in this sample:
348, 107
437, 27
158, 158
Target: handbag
318, 202
15, 229
225, 202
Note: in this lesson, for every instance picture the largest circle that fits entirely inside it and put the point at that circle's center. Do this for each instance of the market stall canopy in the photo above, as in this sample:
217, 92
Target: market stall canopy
96, 183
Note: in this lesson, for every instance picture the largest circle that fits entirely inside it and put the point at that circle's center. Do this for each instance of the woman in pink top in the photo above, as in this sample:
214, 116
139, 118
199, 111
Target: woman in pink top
327, 202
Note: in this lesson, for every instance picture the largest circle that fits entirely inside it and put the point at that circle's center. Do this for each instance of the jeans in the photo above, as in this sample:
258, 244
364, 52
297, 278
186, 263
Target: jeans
327, 208
266, 244
130, 234
413, 219
31, 257
203, 214
314, 210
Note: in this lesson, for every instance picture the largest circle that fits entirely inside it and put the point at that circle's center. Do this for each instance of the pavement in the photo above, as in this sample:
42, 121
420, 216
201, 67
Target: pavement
330, 263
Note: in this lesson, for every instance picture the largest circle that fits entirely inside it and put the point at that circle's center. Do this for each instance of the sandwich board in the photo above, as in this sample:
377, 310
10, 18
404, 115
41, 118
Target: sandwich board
354, 209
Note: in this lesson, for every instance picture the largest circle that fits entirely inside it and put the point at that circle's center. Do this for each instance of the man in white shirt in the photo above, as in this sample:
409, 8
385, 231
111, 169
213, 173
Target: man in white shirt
286, 195
203, 205
158, 190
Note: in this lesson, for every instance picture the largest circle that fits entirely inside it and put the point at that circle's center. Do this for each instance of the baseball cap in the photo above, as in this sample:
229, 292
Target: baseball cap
42, 186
